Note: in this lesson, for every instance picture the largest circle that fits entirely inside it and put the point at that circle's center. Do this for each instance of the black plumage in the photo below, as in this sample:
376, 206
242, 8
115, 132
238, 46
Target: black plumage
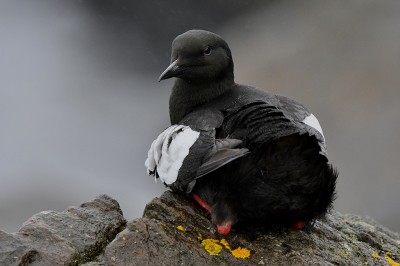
250, 155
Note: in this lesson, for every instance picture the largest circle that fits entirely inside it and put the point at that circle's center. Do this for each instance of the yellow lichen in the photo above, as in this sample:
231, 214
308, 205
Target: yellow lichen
225, 243
199, 237
375, 255
214, 249
241, 253
181, 228
208, 241
211, 246
390, 254
392, 262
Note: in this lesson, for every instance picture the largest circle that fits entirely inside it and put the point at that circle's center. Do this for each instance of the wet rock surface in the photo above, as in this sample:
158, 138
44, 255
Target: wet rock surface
155, 239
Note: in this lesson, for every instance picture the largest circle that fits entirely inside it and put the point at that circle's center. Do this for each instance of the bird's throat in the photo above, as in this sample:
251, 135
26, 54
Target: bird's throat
186, 96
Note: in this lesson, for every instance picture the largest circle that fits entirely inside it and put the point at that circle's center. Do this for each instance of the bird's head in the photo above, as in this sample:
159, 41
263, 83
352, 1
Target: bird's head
199, 57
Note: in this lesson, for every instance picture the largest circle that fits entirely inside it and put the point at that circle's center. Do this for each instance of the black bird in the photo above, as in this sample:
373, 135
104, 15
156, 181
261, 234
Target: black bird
245, 154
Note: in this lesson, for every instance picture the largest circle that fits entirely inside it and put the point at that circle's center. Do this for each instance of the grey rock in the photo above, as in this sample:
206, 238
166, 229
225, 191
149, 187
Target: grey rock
94, 234
71, 237
94, 264
338, 240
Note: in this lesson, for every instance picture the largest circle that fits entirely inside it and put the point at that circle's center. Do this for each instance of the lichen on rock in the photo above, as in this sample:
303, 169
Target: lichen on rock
338, 240
96, 234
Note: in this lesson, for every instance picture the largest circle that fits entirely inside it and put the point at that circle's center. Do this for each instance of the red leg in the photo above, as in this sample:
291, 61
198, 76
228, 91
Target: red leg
202, 203
298, 225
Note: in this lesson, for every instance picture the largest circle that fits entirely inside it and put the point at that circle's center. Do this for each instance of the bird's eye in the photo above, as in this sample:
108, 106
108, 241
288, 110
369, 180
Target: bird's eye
207, 51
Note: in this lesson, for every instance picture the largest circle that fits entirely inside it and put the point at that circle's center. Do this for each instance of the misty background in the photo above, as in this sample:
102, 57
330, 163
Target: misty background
80, 103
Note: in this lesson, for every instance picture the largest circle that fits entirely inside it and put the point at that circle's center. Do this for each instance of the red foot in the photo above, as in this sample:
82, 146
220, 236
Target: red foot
298, 225
224, 228
202, 203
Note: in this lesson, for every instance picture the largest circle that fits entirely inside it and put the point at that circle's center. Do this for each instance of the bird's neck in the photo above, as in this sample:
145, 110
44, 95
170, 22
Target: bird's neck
186, 96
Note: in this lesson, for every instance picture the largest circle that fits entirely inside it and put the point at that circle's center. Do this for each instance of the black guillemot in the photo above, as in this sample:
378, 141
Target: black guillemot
245, 154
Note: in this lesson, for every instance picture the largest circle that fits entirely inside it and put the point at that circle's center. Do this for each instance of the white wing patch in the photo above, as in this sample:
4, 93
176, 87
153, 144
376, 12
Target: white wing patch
312, 121
168, 151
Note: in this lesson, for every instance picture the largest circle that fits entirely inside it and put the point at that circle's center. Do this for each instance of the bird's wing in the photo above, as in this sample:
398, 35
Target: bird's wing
303, 118
169, 150
220, 158
184, 152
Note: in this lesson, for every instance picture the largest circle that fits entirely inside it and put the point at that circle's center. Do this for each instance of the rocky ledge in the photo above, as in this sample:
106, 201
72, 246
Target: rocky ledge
174, 230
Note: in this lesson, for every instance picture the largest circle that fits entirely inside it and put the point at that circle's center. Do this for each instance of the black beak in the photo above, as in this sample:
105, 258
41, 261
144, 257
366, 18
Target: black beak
172, 71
